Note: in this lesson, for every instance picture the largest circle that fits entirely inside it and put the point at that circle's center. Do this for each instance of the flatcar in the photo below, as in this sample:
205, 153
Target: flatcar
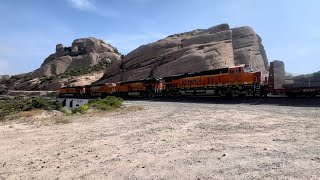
297, 86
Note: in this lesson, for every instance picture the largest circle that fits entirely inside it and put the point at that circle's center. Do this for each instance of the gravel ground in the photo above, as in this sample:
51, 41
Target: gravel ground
168, 140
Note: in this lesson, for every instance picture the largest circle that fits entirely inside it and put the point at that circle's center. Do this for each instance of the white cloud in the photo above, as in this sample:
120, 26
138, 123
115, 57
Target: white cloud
90, 6
83, 4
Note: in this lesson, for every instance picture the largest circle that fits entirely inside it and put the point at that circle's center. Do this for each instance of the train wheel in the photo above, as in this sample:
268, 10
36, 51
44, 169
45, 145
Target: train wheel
229, 94
242, 94
291, 94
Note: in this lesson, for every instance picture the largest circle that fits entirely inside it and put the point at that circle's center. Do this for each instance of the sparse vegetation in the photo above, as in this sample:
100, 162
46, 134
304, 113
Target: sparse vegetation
106, 104
62, 120
65, 110
25, 107
13, 106
102, 65
83, 109
19, 79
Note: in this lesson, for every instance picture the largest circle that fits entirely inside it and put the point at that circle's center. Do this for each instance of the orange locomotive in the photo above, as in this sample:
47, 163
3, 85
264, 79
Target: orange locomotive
237, 80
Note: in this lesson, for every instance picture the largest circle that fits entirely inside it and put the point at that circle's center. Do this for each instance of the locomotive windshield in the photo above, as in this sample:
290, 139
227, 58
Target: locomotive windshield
247, 68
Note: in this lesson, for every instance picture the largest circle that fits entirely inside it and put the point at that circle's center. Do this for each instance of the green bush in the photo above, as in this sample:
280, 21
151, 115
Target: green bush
57, 105
65, 110
83, 109
108, 103
114, 102
2, 115
40, 103
13, 106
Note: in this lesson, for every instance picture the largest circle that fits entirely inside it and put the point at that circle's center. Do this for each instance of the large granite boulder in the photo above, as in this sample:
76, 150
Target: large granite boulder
83, 52
248, 49
195, 51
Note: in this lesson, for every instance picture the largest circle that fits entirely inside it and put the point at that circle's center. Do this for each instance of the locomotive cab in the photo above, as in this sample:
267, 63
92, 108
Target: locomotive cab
240, 69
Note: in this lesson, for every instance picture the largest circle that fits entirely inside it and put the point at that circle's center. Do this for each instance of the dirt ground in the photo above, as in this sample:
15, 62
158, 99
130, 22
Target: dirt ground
168, 140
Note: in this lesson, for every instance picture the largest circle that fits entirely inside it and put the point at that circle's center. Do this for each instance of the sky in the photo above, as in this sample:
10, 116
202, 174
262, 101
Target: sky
30, 29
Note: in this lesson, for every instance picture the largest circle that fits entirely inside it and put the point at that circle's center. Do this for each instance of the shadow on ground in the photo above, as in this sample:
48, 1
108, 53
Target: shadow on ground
278, 101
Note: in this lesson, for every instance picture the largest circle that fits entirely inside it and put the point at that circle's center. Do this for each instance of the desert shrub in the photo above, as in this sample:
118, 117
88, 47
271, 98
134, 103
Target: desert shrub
108, 103
2, 116
40, 103
37, 103
114, 102
65, 110
56, 105
61, 121
13, 106
83, 109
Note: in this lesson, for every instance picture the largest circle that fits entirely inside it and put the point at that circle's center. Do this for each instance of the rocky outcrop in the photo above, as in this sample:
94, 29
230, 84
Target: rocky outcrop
3, 88
198, 50
83, 52
51, 84
4, 77
248, 49
52, 75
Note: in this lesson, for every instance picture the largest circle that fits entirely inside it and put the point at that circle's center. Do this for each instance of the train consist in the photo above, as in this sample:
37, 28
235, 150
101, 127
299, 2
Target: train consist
238, 80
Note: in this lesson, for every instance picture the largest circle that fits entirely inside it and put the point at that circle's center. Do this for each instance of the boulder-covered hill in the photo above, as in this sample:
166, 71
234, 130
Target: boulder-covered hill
81, 64
199, 50
84, 52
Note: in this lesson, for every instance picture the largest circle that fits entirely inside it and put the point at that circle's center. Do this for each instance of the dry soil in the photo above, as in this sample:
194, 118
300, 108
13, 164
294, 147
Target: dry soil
168, 140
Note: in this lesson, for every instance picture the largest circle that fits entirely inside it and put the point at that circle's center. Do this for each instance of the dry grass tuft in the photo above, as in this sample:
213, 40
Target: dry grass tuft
29, 114
62, 120
56, 121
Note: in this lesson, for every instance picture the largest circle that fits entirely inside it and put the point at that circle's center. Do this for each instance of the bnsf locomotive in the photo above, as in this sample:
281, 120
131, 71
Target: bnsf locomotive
233, 81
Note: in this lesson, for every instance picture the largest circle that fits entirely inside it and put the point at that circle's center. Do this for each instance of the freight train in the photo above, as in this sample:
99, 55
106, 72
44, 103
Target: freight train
232, 81
238, 81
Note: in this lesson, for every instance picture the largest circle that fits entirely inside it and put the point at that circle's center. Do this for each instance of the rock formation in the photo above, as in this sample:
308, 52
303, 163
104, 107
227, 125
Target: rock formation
3, 88
51, 75
199, 50
83, 52
194, 51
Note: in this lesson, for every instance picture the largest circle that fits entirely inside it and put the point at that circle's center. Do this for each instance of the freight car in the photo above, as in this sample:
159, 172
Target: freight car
232, 81
296, 86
